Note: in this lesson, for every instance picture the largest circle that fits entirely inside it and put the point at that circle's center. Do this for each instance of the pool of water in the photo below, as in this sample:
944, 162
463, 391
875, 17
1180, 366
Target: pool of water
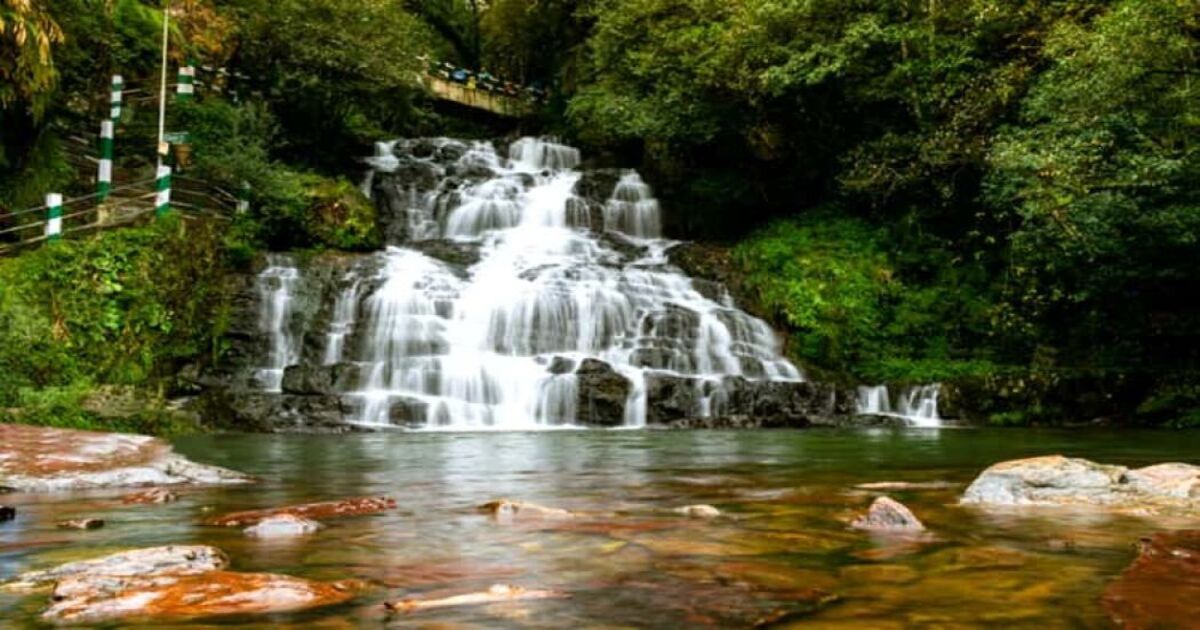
630, 561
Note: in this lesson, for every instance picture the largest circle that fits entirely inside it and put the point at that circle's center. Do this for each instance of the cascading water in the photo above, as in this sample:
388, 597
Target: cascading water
554, 308
276, 288
918, 405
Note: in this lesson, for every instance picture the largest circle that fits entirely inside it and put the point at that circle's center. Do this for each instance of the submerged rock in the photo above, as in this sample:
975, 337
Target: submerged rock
1161, 589
497, 593
504, 510
42, 459
888, 515
320, 511
282, 526
153, 496
104, 598
170, 560
699, 511
83, 523
1062, 481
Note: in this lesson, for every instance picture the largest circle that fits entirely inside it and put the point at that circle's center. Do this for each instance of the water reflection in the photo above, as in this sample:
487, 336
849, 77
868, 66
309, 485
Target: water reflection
629, 560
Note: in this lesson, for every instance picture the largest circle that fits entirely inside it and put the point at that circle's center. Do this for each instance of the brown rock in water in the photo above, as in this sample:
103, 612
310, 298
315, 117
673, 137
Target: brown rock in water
888, 515
316, 511
100, 599
151, 497
508, 511
83, 523
7, 513
495, 594
1161, 589
282, 526
42, 459
171, 560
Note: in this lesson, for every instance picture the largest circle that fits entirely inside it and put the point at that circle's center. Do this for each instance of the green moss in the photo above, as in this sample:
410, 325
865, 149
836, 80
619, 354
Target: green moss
340, 216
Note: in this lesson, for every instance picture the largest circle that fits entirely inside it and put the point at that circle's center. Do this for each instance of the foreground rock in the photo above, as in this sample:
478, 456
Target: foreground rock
317, 511
282, 526
171, 560
41, 459
153, 496
888, 515
1062, 481
496, 594
103, 598
1161, 589
507, 511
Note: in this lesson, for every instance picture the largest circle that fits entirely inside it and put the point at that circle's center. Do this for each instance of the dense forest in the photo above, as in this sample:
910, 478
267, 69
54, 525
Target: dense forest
1003, 193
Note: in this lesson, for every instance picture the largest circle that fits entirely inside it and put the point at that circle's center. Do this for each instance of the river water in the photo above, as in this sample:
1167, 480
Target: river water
787, 497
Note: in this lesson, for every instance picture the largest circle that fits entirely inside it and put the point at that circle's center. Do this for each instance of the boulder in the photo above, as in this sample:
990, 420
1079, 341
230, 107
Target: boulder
91, 599
170, 560
507, 511
670, 399
888, 515
602, 394
282, 526
1161, 589
43, 459
308, 380
7, 513
1062, 481
318, 511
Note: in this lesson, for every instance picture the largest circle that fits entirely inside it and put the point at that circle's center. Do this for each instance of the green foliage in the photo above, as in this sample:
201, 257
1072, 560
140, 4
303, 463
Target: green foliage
125, 307
827, 280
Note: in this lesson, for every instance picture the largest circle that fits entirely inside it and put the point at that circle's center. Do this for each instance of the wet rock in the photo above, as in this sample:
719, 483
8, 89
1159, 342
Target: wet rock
42, 459
282, 526
1161, 589
317, 511
699, 511
597, 185
602, 394
561, 365
670, 398
83, 523
507, 511
7, 513
888, 515
153, 496
496, 594
159, 598
1058, 481
458, 255
308, 380
171, 560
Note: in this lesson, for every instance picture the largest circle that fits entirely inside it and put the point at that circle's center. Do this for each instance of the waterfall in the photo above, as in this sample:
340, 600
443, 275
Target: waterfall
918, 405
276, 289
507, 299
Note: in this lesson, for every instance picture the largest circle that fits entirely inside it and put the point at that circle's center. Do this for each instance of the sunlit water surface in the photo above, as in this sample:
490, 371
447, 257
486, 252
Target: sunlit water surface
632, 562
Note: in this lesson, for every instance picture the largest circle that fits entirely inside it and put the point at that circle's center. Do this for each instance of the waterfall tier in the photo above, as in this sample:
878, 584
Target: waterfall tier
520, 292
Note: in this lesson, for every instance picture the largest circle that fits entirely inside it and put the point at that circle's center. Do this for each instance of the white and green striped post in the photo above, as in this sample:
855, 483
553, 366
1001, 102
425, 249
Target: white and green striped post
118, 91
53, 216
243, 202
162, 200
186, 86
104, 178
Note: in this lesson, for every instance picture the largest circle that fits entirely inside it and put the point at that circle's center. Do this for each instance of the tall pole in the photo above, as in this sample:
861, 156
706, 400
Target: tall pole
162, 95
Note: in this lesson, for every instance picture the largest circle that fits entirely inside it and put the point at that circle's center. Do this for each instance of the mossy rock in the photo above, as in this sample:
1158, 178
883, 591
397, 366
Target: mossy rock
340, 216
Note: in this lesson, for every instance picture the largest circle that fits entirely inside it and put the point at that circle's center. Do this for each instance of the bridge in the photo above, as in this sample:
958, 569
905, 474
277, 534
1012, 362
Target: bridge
497, 103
